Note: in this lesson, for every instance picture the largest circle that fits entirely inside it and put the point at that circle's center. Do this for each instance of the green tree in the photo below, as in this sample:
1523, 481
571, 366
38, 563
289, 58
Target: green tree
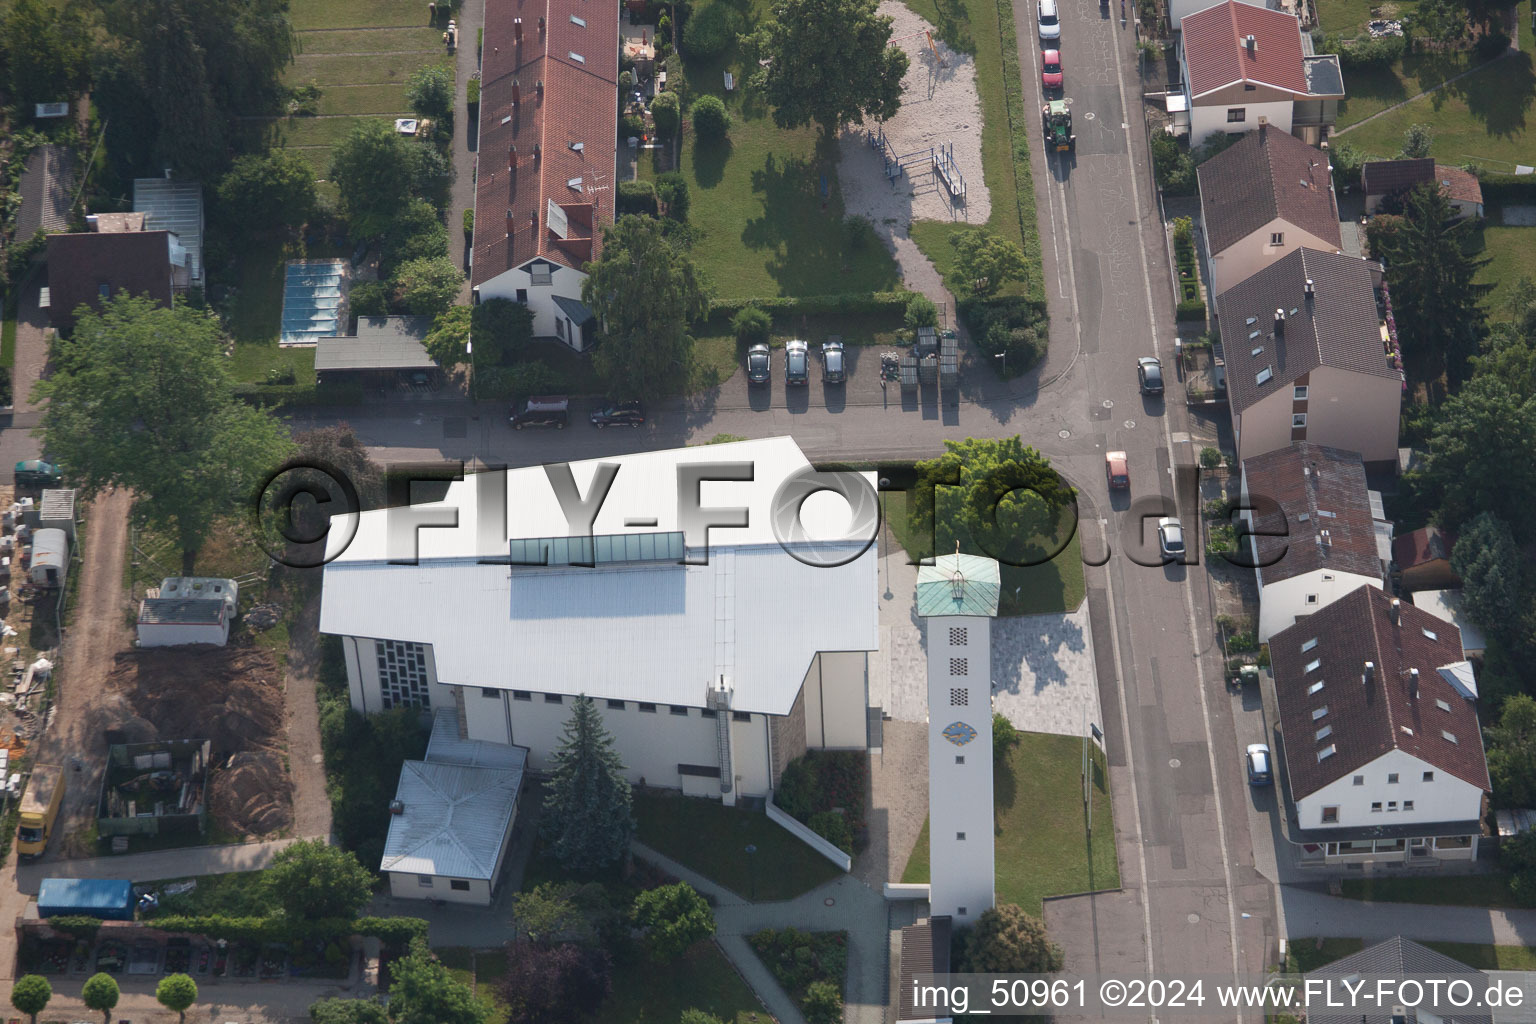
987, 261
429, 91
448, 341
645, 291
711, 120
1512, 753
549, 914
100, 992
414, 233
374, 172
312, 880
347, 1011
1517, 855
1488, 561
176, 992
1436, 299
751, 325
666, 113
823, 1003
555, 984
921, 312
828, 62
1418, 139
267, 190
674, 918
1004, 737
587, 822
502, 330
47, 51
696, 1016
368, 298
30, 995
140, 397
339, 446
426, 287
998, 497
1444, 21
421, 991
1479, 456
1006, 940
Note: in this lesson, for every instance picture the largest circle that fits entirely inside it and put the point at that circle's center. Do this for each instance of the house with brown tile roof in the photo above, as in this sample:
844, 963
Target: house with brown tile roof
1422, 560
1313, 535
1306, 358
1267, 195
1378, 718
548, 142
1240, 62
1382, 180
118, 256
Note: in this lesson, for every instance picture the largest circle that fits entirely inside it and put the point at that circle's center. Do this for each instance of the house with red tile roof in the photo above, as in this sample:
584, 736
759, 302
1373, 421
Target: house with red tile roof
548, 142
1267, 195
1392, 179
1382, 747
1240, 63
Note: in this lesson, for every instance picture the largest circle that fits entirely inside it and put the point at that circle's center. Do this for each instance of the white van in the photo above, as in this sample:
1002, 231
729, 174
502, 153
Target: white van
1050, 20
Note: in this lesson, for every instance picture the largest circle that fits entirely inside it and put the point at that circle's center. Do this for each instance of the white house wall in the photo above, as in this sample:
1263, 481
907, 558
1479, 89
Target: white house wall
835, 701
405, 886
363, 676
1354, 411
1445, 799
564, 282
749, 756
171, 634
1283, 602
487, 718
1252, 253
960, 792
1205, 121
1265, 426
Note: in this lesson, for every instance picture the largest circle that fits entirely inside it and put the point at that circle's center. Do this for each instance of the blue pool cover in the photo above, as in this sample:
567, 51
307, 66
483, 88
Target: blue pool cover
311, 301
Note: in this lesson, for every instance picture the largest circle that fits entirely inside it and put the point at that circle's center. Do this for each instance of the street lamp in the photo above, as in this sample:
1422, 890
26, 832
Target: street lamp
1003, 355
752, 869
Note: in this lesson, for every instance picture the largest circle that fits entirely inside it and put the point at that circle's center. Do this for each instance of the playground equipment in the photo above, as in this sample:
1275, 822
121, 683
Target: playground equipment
932, 47
941, 161
1056, 119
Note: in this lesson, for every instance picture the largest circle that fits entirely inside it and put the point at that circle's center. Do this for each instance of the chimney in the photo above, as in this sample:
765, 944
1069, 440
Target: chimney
541, 24
538, 152
510, 226
1413, 683
512, 157
1311, 289
1397, 611
533, 220
396, 807
1370, 673
1252, 45
1279, 323
517, 92
517, 30
540, 88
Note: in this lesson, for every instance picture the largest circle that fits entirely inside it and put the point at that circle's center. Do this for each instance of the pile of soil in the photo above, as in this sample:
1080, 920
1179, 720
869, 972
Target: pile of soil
231, 696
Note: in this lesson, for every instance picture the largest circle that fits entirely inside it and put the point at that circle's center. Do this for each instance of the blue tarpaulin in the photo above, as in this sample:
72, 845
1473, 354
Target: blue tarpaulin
107, 898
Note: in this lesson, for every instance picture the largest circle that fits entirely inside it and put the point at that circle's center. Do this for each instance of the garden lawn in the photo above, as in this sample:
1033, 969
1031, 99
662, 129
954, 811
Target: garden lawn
711, 838
1513, 252
340, 14
1303, 955
1480, 119
255, 316
984, 29
763, 226
1372, 90
482, 971
645, 992
1042, 844
1487, 890
1350, 17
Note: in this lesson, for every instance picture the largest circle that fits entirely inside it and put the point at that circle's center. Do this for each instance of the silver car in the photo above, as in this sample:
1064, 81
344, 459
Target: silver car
1170, 537
797, 363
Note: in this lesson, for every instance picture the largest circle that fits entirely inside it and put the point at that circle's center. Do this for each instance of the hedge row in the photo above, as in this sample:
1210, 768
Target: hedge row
847, 302
268, 396
394, 932
1191, 309
1507, 188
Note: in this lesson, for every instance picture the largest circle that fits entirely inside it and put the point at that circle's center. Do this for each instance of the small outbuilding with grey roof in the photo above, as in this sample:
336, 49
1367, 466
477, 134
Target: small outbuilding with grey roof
1307, 358
1398, 958
383, 348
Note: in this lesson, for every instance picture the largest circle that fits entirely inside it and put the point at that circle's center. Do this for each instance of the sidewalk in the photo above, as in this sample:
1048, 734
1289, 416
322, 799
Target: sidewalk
466, 131
1310, 914
186, 862
844, 904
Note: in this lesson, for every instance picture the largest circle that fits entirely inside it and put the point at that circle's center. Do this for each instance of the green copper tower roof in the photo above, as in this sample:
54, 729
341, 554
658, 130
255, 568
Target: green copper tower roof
958, 585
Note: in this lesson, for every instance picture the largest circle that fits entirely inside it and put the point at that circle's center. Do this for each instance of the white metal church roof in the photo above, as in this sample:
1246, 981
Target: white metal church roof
658, 632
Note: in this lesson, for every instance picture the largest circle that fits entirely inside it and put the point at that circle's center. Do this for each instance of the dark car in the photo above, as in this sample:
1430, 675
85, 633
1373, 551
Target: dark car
1260, 773
834, 367
1150, 372
797, 363
37, 473
543, 411
758, 364
618, 414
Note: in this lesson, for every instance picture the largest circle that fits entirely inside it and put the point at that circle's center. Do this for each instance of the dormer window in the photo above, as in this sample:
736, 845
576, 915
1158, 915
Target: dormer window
541, 272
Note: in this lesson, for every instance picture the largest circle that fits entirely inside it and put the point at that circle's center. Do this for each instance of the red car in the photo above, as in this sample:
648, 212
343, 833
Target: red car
1050, 69
1117, 471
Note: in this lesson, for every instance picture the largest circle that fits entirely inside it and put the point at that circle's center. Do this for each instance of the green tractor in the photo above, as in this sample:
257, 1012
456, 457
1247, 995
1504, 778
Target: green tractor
1057, 119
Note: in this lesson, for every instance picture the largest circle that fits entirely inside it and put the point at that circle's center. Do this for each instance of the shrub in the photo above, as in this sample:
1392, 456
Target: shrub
921, 312
672, 190
1183, 233
626, 81
823, 1003
751, 326
368, 298
1191, 309
1347, 161
472, 92
518, 381
1004, 737
833, 827
1210, 457
1172, 166
1013, 325
799, 791
1007, 940
637, 197
1417, 141
709, 33
469, 223
1503, 189
666, 114
848, 302
631, 126
674, 918
710, 118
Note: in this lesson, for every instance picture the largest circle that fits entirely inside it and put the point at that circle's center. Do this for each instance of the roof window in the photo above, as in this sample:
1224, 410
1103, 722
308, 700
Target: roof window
1265, 375
578, 58
1320, 712
1442, 705
1313, 665
1431, 634
1323, 733
1327, 752
1315, 688
1449, 736
578, 21
1308, 645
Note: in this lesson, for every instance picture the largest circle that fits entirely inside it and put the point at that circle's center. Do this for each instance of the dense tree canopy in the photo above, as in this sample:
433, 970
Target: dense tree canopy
501, 330
645, 291
829, 62
421, 991
1489, 564
554, 984
1479, 456
174, 76
587, 822
377, 170
987, 261
140, 397
46, 50
1512, 753
273, 189
998, 497
448, 341
429, 91
674, 918
425, 286
312, 880
1006, 940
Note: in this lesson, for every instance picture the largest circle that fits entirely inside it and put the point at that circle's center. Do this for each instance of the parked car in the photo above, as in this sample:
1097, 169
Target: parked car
834, 368
797, 363
1117, 471
37, 473
543, 411
1050, 20
618, 414
1149, 370
1050, 70
1170, 537
758, 364
1260, 771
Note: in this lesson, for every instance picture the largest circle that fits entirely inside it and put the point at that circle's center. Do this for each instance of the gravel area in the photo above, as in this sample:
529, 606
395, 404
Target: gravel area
939, 106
